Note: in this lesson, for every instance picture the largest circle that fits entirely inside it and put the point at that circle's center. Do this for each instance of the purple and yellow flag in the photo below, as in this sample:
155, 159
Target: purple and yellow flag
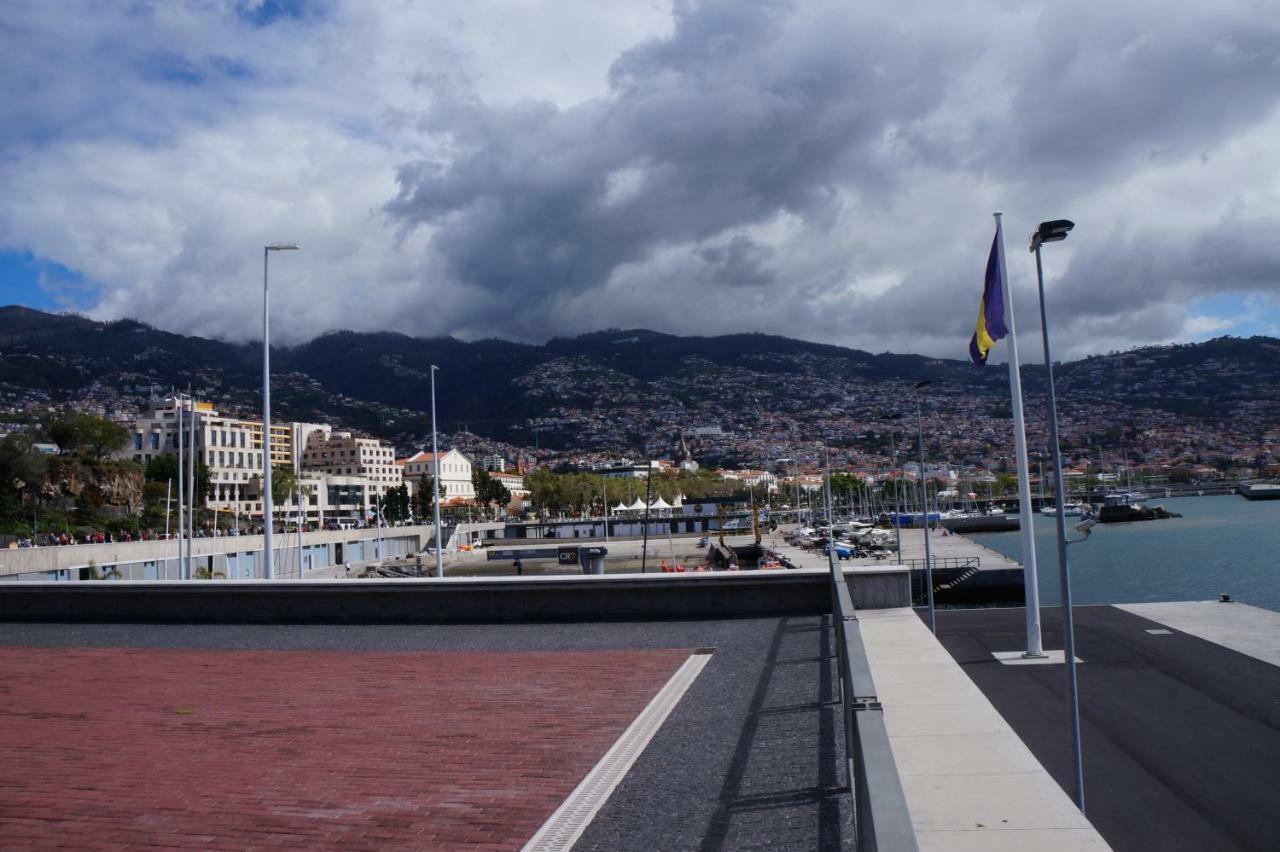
991, 325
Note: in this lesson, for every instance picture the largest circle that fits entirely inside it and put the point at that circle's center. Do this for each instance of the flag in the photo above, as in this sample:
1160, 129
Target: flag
991, 325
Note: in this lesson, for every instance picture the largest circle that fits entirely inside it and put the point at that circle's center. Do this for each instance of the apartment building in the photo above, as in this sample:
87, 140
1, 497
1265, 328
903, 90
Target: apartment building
229, 446
343, 454
345, 478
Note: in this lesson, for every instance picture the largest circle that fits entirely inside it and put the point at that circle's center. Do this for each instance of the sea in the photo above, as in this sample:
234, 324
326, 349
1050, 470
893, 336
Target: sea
1220, 545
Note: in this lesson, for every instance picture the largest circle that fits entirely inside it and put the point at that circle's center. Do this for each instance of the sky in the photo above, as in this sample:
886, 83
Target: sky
526, 169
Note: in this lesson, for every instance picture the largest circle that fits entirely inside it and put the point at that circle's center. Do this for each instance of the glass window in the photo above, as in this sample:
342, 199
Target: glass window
137, 440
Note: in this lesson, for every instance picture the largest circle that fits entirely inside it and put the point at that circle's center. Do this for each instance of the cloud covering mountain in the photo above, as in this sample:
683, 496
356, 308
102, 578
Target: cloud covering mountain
540, 168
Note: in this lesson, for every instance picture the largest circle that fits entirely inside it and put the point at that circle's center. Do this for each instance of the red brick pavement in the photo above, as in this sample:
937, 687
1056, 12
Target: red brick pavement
123, 748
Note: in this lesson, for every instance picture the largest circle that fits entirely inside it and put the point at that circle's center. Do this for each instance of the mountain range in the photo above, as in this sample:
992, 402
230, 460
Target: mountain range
610, 390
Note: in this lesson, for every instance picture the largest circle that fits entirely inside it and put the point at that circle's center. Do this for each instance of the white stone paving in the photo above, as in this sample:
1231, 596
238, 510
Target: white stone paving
1240, 627
970, 781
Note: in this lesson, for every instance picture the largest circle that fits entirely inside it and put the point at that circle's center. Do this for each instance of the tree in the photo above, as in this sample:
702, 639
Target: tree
83, 434
162, 469
22, 470
396, 504
489, 491
422, 502
283, 483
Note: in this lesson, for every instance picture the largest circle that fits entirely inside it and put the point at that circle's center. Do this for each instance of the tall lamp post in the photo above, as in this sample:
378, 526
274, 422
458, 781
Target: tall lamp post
924, 507
893, 466
435, 482
266, 408
1052, 232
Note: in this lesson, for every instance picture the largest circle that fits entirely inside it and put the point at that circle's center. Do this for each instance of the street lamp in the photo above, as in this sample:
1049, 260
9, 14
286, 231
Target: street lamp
924, 505
1052, 232
266, 407
893, 466
435, 482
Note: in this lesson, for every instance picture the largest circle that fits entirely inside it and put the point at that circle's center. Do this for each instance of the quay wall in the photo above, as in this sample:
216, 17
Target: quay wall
616, 597
235, 557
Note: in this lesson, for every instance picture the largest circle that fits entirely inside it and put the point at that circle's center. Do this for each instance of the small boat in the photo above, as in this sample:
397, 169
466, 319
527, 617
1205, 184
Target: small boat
1116, 509
1072, 510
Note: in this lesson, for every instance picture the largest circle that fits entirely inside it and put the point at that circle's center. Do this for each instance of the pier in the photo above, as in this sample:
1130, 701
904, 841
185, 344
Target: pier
687, 711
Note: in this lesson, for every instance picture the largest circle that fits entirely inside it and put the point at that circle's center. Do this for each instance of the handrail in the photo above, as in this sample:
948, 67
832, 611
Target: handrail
881, 818
944, 562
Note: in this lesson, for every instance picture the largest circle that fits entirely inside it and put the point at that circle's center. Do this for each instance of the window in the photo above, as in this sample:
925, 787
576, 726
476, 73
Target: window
155, 440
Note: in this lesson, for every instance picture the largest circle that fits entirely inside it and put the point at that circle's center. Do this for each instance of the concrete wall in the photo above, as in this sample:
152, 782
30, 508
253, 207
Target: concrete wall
581, 598
232, 554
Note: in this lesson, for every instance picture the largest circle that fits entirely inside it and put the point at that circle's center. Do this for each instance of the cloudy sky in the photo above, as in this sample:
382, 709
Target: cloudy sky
530, 168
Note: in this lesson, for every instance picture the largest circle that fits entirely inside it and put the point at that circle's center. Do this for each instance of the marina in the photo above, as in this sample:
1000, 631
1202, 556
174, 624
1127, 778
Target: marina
1220, 545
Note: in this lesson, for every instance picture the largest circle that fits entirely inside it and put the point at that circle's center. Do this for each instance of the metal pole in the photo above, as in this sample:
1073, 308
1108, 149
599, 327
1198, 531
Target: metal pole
831, 518
604, 493
435, 482
297, 492
168, 497
1030, 576
179, 411
1064, 577
924, 507
191, 493
897, 511
267, 568
648, 495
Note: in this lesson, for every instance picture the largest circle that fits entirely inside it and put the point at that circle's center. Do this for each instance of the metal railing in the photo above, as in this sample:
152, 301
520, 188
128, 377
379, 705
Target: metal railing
941, 563
881, 818
958, 566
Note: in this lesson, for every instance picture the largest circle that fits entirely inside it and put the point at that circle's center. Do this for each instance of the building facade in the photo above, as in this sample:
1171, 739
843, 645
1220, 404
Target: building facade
342, 476
455, 474
343, 454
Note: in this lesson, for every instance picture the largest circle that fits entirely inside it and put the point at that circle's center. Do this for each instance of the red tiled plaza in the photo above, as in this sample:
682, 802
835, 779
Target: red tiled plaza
122, 748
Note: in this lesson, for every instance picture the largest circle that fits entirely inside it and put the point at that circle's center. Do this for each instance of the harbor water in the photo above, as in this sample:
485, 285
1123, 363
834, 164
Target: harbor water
1221, 544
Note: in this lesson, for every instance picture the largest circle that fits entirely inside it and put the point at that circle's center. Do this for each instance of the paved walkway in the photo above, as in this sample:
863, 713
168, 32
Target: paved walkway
383, 736
1181, 735
952, 546
970, 782
1237, 626
108, 748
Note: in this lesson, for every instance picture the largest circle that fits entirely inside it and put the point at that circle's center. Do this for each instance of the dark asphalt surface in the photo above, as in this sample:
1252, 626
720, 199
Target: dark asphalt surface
750, 758
1181, 737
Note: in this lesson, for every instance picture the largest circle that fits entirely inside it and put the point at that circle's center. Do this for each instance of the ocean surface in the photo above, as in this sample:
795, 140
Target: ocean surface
1221, 544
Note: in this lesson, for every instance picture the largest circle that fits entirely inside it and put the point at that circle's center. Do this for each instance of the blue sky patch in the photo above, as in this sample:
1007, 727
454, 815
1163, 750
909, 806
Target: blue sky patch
35, 283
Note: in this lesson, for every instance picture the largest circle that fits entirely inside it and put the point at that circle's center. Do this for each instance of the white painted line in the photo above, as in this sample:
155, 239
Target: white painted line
1160, 631
575, 813
1016, 658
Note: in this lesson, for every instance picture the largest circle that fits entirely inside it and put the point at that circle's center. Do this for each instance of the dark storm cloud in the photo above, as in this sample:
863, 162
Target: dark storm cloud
749, 112
744, 113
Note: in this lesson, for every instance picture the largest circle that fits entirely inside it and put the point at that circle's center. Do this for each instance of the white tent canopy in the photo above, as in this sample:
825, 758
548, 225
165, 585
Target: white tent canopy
621, 507
637, 506
659, 504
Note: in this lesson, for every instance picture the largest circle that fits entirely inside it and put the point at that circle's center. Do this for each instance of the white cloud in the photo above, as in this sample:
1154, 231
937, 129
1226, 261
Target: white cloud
806, 169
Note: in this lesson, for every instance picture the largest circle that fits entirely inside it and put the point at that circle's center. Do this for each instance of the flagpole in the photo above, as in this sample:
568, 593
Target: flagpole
1035, 647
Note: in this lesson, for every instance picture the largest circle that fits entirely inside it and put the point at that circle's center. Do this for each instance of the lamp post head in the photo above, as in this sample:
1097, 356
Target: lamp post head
1051, 232
922, 383
283, 247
